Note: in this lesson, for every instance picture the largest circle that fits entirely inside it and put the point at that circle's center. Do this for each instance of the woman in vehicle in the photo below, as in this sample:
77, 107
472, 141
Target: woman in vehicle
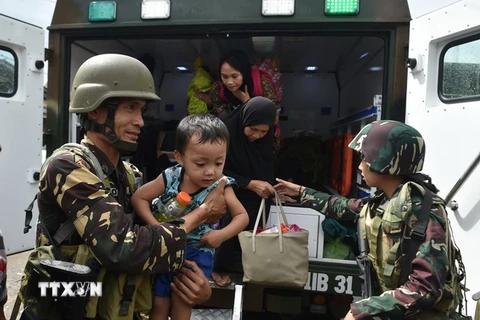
238, 83
250, 163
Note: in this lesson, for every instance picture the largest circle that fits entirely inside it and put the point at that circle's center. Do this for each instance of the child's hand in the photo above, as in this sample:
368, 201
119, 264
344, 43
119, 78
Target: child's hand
212, 239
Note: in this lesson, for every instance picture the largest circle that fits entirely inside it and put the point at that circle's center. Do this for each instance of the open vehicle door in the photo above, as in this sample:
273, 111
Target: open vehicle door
21, 121
443, 102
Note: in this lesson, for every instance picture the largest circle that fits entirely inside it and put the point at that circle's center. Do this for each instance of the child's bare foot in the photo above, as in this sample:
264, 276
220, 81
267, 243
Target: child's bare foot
221, 280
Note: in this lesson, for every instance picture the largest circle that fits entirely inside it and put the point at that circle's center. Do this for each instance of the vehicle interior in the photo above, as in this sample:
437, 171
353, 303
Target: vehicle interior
325, 79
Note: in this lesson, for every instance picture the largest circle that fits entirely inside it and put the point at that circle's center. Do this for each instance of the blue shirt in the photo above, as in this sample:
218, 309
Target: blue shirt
173, 177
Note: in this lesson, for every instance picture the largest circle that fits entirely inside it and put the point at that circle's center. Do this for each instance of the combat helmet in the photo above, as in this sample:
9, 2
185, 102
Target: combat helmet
103, 79
390, 147
110, 75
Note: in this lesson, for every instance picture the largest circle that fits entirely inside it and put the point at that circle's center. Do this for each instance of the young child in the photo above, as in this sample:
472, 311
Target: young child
201, 149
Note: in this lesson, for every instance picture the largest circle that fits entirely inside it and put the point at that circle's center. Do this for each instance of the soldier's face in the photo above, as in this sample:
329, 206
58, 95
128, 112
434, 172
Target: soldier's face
203, 163
128, 119
371, 178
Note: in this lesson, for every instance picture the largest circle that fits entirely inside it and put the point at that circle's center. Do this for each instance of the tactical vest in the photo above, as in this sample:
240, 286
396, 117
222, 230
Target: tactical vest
387, 226
116, 287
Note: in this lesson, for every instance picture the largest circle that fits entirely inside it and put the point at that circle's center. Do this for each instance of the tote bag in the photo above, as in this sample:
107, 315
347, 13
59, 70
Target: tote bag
276, 259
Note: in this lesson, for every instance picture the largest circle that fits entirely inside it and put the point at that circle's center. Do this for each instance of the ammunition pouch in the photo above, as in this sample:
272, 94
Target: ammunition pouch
41, 267
29, 294
81, 276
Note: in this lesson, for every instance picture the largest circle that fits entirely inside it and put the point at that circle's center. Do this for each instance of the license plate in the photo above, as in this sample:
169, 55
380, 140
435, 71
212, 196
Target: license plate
334, 283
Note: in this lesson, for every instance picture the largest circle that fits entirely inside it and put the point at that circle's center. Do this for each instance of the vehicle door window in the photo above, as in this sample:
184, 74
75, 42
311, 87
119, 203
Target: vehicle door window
8, 72
460, 71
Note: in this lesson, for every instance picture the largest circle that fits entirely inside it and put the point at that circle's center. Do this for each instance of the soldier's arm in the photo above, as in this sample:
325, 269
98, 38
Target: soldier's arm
116, 242
426, 281
211, 210
336, 207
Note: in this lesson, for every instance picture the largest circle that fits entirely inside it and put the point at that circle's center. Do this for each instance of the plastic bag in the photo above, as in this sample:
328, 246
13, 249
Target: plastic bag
340, 240
202, 81
334, 248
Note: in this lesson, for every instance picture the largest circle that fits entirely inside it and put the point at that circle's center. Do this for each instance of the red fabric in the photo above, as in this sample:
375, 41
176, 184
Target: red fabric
270, 70
257, 83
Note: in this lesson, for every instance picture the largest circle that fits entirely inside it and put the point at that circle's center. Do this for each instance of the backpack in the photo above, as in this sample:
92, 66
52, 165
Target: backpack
453, 296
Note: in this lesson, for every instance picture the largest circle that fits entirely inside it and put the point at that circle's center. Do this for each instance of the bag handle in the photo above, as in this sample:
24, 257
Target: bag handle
280, 206
261, 213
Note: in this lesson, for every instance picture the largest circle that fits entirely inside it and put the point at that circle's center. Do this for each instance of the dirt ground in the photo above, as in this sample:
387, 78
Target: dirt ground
15, 265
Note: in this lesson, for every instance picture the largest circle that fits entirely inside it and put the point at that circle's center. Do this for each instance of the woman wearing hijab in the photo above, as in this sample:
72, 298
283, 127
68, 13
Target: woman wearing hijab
250, 162
238, 84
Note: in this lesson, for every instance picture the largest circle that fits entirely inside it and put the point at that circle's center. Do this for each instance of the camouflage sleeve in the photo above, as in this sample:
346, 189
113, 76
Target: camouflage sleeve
116, 242
426, 280
3, 272
335, 207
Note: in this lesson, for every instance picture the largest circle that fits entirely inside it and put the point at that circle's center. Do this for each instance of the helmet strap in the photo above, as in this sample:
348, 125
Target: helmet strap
124, 147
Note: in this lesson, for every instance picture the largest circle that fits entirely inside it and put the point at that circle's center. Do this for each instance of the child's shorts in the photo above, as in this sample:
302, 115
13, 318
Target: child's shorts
204, 261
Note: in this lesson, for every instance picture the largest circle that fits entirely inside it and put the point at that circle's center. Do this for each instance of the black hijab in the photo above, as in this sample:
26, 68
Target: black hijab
239, 61
250, 160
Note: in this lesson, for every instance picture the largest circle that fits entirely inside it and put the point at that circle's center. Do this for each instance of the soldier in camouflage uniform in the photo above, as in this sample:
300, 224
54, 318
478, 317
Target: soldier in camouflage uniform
110, 93
392, 156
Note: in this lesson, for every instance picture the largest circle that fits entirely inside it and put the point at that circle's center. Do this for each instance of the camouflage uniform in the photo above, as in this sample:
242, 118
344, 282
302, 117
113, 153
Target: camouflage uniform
70, 190
390, 147
3, 273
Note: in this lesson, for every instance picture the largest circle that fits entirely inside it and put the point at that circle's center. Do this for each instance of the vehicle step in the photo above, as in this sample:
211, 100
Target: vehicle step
211, 314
